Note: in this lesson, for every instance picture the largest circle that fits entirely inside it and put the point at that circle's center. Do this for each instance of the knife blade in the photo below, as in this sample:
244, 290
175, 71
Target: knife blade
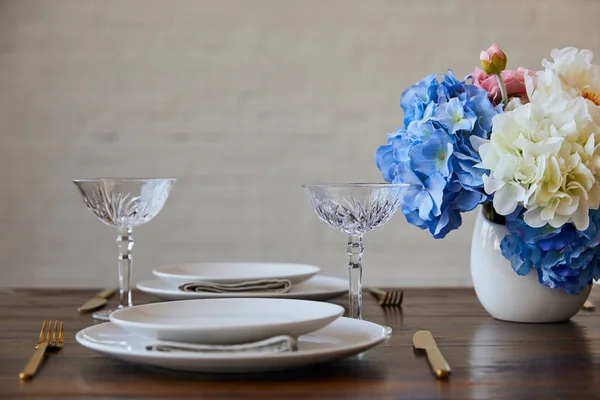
423, 340
97, 301
106, 293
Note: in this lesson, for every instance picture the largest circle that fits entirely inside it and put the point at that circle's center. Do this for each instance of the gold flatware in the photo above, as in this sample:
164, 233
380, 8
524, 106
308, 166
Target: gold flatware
588, 305
50, 339
423, 340
97, 301
392, 298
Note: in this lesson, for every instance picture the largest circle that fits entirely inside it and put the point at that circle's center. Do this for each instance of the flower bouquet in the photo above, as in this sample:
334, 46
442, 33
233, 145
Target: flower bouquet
524, 144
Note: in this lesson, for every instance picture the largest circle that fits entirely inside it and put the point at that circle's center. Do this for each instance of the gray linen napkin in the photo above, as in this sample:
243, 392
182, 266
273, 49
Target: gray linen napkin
266, 285
276, 344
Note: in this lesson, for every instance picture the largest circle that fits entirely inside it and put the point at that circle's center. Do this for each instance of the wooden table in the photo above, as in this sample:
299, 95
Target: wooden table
489, 359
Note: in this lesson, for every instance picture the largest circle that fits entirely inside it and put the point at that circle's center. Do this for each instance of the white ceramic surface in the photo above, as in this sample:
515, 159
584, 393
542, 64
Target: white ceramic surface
225, 321
343, 338
316, 288
235, 272
505, 294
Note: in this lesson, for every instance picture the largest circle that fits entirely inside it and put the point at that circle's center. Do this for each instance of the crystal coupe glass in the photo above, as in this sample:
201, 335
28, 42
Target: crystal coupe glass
124, 204
355, 209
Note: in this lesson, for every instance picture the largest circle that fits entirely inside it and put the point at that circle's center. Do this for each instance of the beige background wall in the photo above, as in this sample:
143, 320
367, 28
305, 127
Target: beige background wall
242, 101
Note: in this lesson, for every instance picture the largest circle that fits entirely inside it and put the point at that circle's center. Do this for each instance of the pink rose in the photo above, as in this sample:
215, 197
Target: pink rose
513, 80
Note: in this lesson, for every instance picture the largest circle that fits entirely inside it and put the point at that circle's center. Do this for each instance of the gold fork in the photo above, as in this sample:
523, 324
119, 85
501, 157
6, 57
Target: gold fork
50, 339
390, 298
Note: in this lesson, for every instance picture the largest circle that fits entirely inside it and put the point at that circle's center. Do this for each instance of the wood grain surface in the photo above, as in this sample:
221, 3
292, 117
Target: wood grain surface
490, 359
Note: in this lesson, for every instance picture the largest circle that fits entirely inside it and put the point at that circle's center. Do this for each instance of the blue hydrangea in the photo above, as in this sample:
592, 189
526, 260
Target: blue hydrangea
436, 151
563, 257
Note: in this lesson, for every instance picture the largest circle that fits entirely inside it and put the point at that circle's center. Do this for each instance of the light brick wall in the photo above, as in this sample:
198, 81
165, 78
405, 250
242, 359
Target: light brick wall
242, 101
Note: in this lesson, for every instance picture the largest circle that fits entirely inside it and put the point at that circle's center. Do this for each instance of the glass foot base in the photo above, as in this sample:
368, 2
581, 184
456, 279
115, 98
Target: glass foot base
102, 315
388, 330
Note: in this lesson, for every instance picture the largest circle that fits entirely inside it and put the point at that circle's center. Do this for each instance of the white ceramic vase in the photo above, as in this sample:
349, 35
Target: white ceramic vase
505, 294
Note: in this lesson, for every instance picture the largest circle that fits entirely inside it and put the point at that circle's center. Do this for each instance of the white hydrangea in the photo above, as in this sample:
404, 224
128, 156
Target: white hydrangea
578, 76
544, 155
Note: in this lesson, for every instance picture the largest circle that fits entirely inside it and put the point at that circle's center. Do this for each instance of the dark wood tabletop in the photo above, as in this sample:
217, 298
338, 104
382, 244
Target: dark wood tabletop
490, 359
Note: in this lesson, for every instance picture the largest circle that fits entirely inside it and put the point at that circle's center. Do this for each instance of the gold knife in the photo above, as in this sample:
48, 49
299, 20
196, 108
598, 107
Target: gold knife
97, 301
423, 340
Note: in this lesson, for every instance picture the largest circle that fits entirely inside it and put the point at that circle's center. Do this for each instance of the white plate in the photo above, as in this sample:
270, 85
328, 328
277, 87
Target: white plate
343, 338
316, 288
234, 272
224, 321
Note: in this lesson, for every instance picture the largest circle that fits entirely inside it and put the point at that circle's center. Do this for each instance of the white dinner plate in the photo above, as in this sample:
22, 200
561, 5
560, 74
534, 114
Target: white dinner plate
316, 288
235, 272
225, 321
342, 338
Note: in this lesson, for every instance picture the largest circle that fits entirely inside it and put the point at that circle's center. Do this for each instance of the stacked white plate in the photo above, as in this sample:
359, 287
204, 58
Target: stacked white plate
323, 335
306, 283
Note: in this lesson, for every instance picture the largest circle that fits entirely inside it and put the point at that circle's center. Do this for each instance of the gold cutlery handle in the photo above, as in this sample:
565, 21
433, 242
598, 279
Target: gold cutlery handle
92, 304
106, 294
377, 291
34, 362
438, 363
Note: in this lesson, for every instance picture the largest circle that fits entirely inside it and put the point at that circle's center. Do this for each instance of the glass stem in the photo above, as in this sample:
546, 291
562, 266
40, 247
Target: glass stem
124, 245
355, 252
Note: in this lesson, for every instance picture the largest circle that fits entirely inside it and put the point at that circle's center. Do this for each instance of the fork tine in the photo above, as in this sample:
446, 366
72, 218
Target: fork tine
61, 336
391, 298
388, 299
49, 331
41, 338
384, 300
55, 333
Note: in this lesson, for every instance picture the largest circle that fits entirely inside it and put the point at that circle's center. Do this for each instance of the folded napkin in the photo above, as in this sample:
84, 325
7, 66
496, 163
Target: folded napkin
266, 285
277, 344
